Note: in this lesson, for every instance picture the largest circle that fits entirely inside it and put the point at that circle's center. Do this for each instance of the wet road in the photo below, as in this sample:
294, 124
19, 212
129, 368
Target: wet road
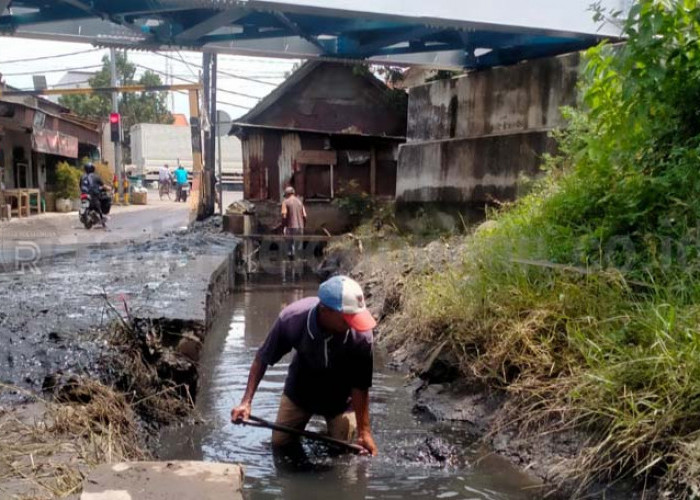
52, 234
51, 312
403, 469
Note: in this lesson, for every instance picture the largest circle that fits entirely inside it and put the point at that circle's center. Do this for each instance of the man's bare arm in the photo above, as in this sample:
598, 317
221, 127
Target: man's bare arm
257, 372
360, 403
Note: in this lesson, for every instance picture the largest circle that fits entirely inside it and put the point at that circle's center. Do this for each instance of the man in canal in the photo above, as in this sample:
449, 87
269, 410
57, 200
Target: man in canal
293, 220
331, 372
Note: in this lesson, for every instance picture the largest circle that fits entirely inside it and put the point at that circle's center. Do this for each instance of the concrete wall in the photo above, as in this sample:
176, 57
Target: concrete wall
471, 137
469, 170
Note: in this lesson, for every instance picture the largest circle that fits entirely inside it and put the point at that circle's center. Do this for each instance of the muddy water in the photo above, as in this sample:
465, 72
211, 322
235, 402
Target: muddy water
405, 467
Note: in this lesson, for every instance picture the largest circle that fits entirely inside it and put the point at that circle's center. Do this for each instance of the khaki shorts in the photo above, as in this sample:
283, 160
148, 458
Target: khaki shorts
343, 426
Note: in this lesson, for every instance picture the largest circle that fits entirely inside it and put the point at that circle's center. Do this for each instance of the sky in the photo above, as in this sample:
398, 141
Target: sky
17, 70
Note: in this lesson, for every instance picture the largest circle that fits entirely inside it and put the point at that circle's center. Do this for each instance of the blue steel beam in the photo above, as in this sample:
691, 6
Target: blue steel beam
79, 4
417, 49
219, 20
301, 33
52, 14
257, 35
388, 38
512, 55
349, 29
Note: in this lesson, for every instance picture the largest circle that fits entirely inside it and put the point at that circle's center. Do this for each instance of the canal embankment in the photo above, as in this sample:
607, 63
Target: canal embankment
100, 349
431, 330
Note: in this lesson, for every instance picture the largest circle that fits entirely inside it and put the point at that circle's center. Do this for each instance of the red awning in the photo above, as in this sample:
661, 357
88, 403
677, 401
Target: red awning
55, 143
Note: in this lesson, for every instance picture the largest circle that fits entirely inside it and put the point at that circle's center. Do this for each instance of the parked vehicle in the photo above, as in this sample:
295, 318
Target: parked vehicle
153, 145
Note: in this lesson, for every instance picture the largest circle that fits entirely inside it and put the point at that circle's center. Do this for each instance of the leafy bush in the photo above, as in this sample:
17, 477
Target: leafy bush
67, 181
352, 199
105, 172
583, 300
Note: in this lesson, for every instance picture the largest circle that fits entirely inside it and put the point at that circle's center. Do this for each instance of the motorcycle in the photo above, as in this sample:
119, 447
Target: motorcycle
89, 215
183, 191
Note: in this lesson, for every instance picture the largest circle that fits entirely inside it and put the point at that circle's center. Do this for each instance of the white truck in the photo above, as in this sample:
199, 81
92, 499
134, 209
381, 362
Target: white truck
154, 145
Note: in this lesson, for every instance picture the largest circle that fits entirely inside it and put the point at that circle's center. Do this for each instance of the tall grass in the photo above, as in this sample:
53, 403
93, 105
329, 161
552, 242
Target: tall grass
583, 301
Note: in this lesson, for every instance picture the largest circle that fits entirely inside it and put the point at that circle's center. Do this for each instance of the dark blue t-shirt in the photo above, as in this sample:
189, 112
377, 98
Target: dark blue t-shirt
325, 367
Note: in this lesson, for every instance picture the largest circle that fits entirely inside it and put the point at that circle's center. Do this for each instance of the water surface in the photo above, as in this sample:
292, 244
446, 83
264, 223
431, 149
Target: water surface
400, 471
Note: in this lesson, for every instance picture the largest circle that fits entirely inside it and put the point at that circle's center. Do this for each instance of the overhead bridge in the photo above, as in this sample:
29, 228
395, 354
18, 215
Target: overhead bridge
435, 33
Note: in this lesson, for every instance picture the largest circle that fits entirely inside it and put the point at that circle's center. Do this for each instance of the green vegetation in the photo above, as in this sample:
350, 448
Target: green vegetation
67, 181
357, 202
135, 107
582, 300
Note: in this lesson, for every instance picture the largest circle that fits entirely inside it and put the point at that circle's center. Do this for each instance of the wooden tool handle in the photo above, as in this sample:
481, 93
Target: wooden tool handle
259, 422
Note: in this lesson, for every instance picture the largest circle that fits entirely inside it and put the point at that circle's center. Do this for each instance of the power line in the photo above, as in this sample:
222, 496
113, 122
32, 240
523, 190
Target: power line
269, 77
187, 64
234, 105
10, 61
190, 81
181, 92
41, 72
247, 108
219, 101
222, 72
254, 80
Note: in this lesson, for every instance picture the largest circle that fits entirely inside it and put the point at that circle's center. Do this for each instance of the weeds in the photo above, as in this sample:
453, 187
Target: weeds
46, 448
581, 300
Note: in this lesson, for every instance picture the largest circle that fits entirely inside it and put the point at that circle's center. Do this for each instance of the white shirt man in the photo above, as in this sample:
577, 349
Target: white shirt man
164, 174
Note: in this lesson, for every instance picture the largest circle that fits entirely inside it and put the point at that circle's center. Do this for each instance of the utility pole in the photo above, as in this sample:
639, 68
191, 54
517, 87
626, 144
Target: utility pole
214, 133
221, 175
208, 177
118, 167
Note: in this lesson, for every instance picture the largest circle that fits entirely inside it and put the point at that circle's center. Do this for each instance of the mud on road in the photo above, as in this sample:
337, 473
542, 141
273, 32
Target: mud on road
51, 314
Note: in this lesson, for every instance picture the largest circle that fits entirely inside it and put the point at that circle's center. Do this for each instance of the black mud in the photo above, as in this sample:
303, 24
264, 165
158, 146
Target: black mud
54, 317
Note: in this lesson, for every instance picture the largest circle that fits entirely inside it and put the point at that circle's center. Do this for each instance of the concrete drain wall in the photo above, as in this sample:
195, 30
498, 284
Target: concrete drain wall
180, 313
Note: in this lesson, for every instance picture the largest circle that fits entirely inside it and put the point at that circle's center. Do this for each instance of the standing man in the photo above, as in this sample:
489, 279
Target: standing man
180, 180
293, 219
331, 372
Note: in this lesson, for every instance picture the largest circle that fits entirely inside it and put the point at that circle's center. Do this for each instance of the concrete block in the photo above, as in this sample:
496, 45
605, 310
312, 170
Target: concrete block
138, 198
183, 480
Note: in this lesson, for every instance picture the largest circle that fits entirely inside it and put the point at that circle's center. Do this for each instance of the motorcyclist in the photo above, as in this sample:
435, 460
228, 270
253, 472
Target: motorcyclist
92, 185
181, 180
